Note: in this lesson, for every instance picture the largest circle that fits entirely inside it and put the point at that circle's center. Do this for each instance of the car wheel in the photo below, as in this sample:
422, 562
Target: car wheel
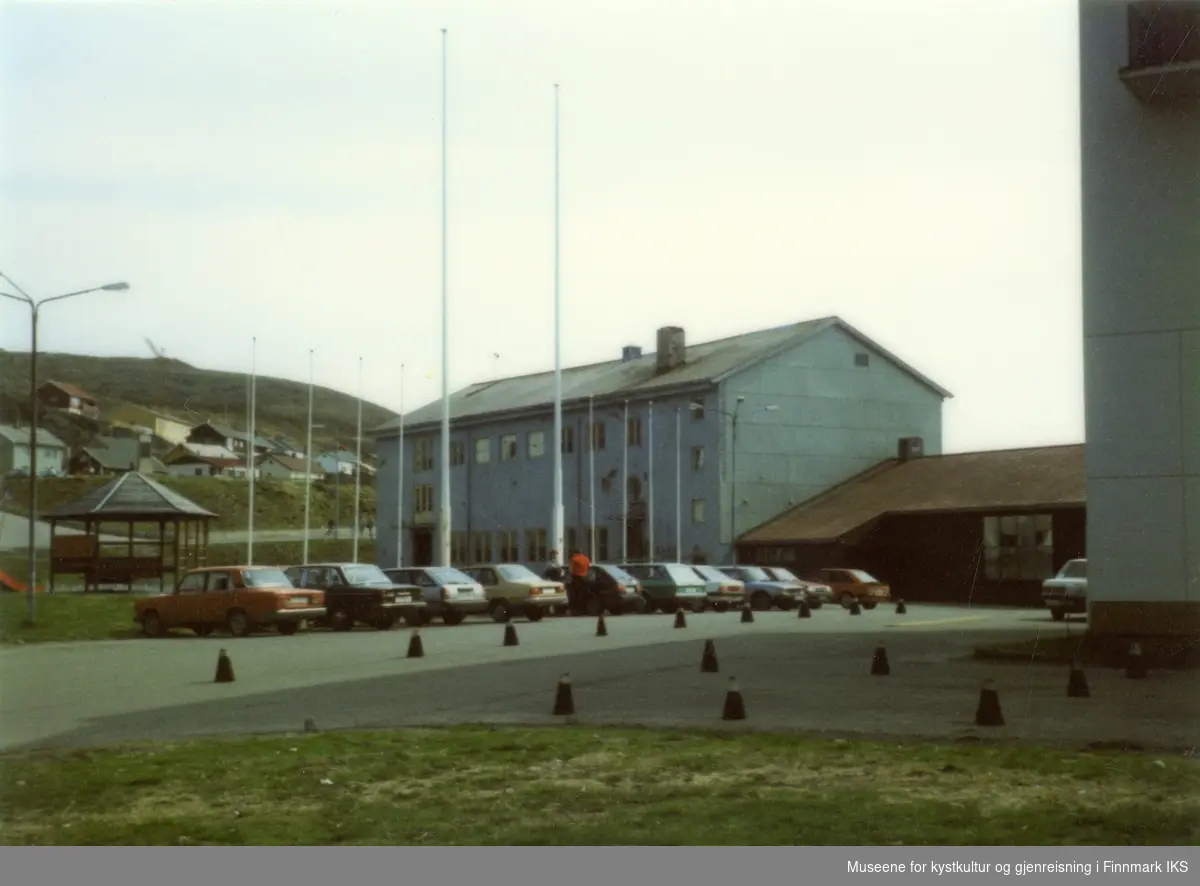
501, 614
453, 617
760, 601
340, 620
384, 622
152, 625
699, 606
535, 613
202, 630
651, 606
670, 607
721, 607
238, 623
287, 628
869, 605
1058, 614
846, 600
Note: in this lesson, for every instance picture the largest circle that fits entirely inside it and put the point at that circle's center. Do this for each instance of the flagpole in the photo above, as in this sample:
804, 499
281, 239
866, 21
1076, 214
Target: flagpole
400, 480
650, 476
444, 540
250, 448
308, 462
591, 481
558, 515
358, 465
625, 491
678, 490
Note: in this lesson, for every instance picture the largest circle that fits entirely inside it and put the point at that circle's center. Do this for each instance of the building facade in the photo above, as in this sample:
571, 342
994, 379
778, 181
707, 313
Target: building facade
69, 398
1140, 149
15, 451
764, 420
161, 425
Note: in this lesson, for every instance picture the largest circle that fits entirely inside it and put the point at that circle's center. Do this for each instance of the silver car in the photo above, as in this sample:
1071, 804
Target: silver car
815, 593
447, 591
1066, 593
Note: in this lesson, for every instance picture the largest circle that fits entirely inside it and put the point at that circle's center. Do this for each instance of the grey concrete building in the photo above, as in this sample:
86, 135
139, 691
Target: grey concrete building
766, 419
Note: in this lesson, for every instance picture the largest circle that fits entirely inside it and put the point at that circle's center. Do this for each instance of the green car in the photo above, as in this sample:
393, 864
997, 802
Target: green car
668, 586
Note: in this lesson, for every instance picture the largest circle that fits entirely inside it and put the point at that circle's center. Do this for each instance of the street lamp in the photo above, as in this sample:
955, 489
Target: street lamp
733, 417
35, 309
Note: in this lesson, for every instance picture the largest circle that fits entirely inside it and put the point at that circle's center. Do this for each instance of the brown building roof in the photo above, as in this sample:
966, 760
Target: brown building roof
71, 391
997, 480
297, 465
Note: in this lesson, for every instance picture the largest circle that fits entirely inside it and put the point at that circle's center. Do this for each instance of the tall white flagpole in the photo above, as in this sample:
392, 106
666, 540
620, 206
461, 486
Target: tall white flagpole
308, 462
591, 481
400, 480
650, 477
358, 465
625, 490
558, 515
446, 504
251, 460
678, 490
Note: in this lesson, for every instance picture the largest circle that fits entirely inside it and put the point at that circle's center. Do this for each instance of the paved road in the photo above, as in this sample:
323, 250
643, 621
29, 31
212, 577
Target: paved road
808, 675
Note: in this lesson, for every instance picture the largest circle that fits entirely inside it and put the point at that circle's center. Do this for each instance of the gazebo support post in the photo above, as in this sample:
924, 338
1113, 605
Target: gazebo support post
162, 555
130, 582
53, 524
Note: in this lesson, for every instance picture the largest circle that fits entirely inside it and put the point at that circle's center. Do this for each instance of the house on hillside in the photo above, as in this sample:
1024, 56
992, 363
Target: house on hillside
343, 463
166, 427
284, 446
204, 460
68, 398
116, 455
215, 434
15, 452
755, 422
286, 467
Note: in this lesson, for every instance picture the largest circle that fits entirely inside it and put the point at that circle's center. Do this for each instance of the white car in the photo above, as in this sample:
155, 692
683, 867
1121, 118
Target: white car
1066, 593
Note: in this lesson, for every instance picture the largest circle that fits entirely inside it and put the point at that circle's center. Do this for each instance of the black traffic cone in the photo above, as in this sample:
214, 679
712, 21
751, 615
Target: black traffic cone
855, 609
879, 662
708, 663
510, 635
1077, 685
735, 706
224, 668
988, 713
416, 647
805, 609
1135, 667
601, 627
900, 607
680, 619
747, 614
564, 700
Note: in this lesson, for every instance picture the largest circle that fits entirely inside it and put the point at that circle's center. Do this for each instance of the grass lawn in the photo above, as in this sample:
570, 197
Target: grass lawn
289, 553
66, 617
586, 786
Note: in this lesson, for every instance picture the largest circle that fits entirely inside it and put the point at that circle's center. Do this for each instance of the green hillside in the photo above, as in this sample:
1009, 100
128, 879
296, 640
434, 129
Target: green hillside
166, 385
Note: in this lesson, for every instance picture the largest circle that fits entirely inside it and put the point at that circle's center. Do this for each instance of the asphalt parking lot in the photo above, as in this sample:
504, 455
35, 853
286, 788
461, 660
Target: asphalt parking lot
795, 674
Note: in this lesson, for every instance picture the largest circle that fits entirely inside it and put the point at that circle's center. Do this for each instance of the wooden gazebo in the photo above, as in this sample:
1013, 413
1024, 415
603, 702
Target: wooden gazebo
130, 499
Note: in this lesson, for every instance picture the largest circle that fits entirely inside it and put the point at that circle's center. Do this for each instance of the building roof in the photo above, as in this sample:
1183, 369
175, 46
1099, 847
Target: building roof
299, 465
70, 390
997, 480
705, 363
20, 436
131, 496
115, 453
234, 434
204, 450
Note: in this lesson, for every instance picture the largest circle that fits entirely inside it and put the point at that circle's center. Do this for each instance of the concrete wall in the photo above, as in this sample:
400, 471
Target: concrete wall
1141, 312
15, 456
834, 419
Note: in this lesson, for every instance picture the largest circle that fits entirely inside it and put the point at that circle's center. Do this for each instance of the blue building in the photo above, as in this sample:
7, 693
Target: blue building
765, 420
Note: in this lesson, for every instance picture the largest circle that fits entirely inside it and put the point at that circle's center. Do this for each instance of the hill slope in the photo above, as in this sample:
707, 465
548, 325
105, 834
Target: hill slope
166, 385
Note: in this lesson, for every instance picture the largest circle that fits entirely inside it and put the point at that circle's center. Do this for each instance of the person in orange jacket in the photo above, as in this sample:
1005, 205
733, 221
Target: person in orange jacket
577, 589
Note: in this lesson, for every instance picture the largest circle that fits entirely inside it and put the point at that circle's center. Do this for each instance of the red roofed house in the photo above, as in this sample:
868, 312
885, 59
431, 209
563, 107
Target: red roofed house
61, 395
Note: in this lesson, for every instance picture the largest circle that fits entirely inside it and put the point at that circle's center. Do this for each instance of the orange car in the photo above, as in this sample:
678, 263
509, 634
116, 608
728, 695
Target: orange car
854, 584
239, 599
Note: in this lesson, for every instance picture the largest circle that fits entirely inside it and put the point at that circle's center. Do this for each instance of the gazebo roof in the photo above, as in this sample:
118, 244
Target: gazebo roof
131, 496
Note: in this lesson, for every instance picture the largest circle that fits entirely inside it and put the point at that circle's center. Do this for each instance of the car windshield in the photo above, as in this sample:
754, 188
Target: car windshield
619, 574
783, 574
266, 578
365, 574
712, 573
865, 577
753, 573
682, 573
448, 574
516, 572
1075, 569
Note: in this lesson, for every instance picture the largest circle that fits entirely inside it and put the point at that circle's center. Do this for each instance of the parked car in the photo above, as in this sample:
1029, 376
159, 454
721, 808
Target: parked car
611, 589
723, 591
240, 599
816, 593
849, 585
763, 591
1066, 593
514, 587
360, 593
668, 586
447, 591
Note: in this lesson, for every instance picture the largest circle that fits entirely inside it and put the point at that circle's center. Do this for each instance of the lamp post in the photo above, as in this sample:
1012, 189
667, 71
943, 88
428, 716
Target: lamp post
35, 310
650, 478
308, 459
625, 489
591, 481
678, 488
733, 420
400, 480
358, 465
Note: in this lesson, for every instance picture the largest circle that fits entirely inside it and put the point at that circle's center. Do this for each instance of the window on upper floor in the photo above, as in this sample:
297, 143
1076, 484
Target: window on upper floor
862, 359
697, 457
458, 453
633, 431
422, 499
536, 444
697, 510
422, 455
598, 438
568, 440
483, 450
508, 447
696, 408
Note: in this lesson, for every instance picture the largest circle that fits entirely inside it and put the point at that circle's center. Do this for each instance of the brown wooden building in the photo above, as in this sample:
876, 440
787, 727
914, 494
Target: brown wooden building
69, 398
981, 527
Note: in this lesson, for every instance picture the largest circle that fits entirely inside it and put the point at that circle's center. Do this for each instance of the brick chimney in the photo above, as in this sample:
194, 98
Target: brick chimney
630, 352
672, 352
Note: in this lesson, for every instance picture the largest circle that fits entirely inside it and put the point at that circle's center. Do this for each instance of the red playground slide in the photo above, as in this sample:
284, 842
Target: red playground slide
8, 584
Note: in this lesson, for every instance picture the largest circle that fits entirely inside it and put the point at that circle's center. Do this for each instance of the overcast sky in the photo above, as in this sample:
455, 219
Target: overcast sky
273, 169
